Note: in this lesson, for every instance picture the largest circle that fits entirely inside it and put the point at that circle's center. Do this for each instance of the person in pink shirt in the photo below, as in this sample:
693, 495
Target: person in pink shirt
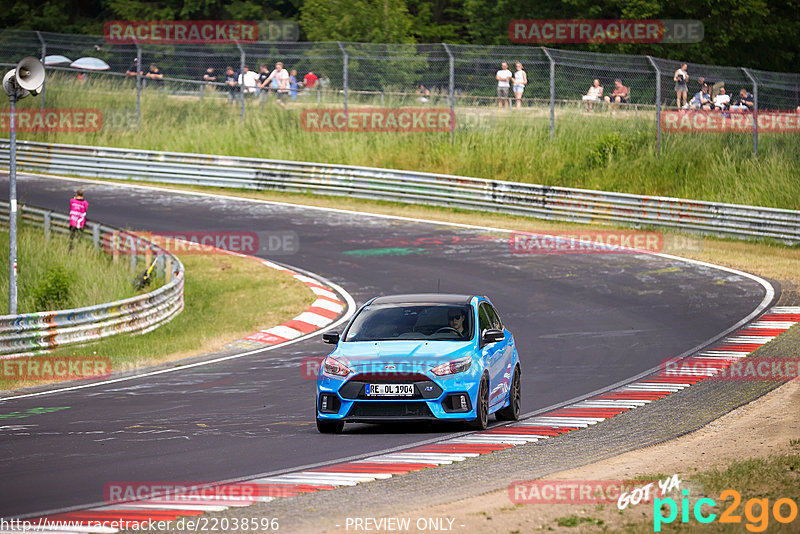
77, 215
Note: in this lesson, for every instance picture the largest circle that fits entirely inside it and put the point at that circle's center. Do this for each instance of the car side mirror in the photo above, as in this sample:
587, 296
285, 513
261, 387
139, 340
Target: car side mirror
492, 335
331, 337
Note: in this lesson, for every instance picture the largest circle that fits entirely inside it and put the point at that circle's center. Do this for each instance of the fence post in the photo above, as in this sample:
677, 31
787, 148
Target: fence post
132, 244
44, 54
96, 235
344, 76
160, 265
138, 85
658, 104
552, 92
241, 74
46, 224
755, 111
451, 89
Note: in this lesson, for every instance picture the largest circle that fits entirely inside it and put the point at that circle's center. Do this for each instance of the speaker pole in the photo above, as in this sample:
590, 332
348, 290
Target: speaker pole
12, 210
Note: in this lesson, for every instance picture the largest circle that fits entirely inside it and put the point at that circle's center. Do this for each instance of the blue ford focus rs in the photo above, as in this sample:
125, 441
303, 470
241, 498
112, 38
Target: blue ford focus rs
417, 358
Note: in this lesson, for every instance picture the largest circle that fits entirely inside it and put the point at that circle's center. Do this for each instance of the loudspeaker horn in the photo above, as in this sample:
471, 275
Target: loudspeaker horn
30, 74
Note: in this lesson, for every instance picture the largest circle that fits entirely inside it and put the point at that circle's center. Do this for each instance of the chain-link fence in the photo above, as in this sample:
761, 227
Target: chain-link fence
461, 77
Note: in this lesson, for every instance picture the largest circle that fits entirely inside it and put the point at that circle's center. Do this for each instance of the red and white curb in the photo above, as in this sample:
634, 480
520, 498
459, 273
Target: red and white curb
322, 312
547, 425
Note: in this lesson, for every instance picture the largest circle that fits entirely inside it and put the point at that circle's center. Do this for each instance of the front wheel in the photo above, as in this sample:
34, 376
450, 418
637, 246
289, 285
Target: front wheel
481, 407
329, 427
511, 412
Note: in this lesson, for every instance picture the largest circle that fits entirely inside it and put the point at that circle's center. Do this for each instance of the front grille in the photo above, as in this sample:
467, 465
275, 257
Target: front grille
423, 389
410, 410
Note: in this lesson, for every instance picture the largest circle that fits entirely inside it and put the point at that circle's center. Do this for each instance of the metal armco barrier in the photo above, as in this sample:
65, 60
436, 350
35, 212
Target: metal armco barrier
32, 333
545, 202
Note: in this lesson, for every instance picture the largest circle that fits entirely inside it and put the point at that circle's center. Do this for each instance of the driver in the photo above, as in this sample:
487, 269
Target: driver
456, 319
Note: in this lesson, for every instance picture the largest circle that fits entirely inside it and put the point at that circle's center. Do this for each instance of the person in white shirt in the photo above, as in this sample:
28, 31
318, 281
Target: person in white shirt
248, 80
722, 100
520, 81
281, 75
594, 94
503, 77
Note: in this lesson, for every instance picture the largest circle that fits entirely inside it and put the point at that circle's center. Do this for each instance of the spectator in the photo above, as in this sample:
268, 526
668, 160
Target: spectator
209, 77
620, 93
744, 102
248, 80
701, 99
263, 84
293, 84
324, 82
520, 81
503, 77
133, 70
280, 80
231, 83
722, 100
155, 75
423, 93
310, 80
681, 79
77, 216
594, 94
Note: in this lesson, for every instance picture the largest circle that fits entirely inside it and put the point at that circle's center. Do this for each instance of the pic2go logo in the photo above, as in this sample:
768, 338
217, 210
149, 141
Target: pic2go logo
756, 511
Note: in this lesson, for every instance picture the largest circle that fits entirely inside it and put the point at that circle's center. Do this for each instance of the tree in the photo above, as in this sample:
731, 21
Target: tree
369, 21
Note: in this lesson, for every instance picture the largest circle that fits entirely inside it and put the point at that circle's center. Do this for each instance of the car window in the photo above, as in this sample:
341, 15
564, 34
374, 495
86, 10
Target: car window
434, 322
495, 318
484, 321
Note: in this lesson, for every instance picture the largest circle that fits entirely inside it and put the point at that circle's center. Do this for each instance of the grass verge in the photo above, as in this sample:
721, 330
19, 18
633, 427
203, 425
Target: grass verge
51, 277
225, 298
590, 150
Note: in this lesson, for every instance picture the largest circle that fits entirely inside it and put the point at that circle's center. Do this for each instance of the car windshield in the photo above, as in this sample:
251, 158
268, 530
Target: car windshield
388, 322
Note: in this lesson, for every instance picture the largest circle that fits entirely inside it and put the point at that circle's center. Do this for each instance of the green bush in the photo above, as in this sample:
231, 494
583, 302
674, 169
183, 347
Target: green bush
52, 291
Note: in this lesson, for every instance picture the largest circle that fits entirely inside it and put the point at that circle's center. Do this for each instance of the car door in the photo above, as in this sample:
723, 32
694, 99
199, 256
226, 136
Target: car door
492, 353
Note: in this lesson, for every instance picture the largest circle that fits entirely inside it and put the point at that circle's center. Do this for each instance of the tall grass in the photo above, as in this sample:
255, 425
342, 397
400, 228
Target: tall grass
50, 276
600, 150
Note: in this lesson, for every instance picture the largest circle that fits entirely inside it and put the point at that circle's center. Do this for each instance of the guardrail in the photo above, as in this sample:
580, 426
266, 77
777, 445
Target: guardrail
32, 333
546, 202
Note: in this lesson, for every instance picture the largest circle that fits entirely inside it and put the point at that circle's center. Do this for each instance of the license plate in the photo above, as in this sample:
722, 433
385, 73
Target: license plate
381, 390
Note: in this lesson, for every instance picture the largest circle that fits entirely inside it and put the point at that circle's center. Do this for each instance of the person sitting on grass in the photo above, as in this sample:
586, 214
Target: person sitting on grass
701, 99
620, 93
594, 94
722, 100
745, 102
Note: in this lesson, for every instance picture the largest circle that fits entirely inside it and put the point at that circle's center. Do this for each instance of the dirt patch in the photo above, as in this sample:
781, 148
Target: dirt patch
758, 429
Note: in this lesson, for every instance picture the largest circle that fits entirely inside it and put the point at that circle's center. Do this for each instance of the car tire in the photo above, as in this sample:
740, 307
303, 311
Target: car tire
481, 407
329, 427
511, 412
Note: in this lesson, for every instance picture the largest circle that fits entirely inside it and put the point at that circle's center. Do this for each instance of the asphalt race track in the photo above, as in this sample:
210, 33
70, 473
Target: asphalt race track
582, 322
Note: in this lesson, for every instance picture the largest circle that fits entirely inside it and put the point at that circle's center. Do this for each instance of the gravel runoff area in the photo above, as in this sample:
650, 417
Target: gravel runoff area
666, 419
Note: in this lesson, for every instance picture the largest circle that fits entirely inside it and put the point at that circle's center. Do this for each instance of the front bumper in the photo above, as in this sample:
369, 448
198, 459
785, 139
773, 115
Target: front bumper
446, 399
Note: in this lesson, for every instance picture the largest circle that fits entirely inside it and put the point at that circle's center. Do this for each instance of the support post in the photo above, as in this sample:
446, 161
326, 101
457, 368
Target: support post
658, 104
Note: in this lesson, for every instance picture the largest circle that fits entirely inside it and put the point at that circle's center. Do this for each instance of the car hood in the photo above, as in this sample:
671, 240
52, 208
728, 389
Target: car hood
406, 356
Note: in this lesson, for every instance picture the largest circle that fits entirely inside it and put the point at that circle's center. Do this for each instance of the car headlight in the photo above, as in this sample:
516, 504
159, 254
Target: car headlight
333, 367
450, 368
